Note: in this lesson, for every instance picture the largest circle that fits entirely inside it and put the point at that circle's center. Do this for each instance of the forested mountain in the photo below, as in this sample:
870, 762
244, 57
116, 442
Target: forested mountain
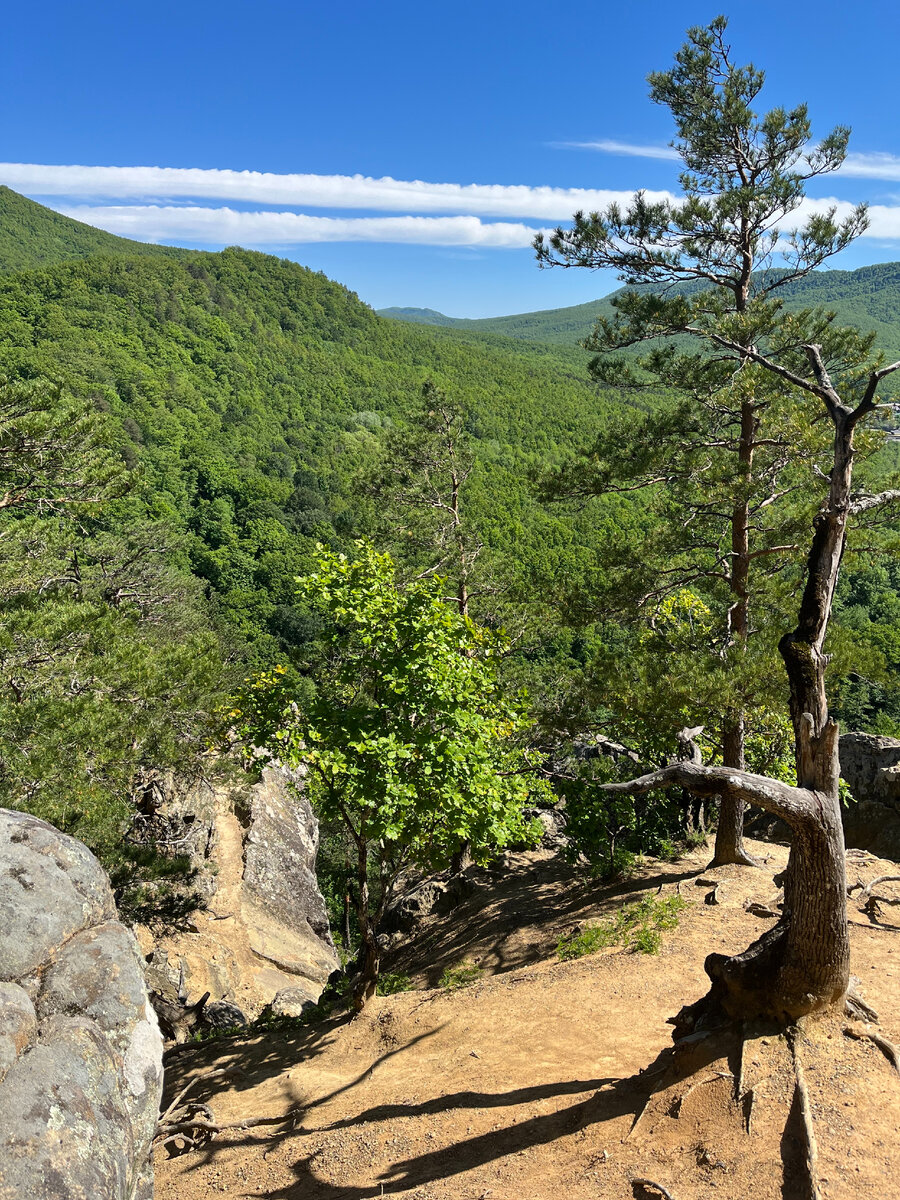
247, 393
244, 404
868, 298
31, 235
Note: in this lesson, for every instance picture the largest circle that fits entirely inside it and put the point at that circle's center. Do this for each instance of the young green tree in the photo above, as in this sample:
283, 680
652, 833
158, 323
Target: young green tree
409, 742
726, 463
744, 176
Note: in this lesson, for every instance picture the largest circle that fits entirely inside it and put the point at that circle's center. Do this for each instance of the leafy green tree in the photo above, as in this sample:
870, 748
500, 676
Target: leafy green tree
409, 742
727, 466
739, 185
108, 666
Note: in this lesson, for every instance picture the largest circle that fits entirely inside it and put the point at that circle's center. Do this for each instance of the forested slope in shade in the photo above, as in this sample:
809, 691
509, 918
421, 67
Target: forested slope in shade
868, 298
32, 235
250, 392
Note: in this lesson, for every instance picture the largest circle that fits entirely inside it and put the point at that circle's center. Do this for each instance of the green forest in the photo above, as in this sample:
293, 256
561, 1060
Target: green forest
234, 412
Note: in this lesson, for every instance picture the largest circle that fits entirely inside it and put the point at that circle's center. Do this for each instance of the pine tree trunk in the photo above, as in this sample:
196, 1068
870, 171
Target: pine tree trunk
803, 964
730, 829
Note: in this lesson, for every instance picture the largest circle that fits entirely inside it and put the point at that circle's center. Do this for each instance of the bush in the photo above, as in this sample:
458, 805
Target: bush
390, 984
635, 927
463, 975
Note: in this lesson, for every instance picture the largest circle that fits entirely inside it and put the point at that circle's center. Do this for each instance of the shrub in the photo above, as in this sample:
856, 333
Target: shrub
461, 976
637, 927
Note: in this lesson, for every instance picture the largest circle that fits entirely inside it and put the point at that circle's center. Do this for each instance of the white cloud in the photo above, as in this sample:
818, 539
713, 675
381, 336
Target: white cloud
193, 224
874, 165
626, 149
316, 191
155, 222
871, 166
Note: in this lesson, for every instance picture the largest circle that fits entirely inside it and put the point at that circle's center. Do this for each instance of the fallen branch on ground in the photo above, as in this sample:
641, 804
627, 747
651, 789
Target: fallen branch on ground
188, 1124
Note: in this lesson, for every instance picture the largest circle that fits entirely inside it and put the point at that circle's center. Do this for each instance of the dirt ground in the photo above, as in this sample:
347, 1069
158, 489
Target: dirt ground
547, 1080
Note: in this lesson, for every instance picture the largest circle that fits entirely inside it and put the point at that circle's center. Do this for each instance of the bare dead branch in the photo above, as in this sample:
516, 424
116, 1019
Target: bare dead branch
779, 798
863, 503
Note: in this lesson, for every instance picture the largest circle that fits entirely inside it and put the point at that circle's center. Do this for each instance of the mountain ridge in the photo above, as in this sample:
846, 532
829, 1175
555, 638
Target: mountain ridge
867, 297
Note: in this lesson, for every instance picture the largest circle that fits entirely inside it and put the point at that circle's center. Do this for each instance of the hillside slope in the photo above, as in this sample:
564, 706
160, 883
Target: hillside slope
249, 393
32, 235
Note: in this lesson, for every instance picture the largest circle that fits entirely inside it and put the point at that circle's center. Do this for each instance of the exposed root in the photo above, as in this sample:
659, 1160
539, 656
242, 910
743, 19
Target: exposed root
747, 1103
220, 1073
856, 1008
811, 1147
888, 1049
196, 1131
679, 1100
755, 909
637, 1120
188, 1124
867, 890
651, 1183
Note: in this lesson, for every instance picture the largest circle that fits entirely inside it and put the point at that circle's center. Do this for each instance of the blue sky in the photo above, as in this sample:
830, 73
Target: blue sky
408, 150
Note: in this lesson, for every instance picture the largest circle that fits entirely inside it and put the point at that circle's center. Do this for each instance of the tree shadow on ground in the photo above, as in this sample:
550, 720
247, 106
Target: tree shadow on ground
251, 1059
601, 1100
512, 930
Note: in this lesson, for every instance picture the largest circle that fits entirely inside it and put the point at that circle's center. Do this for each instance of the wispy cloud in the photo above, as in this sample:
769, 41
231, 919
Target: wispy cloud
188, 223
312, 191
873, 165
625, 149
164, 203
220, 226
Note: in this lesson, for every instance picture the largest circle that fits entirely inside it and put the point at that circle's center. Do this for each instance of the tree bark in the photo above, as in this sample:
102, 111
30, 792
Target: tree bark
369, 958
730, 830
802, 964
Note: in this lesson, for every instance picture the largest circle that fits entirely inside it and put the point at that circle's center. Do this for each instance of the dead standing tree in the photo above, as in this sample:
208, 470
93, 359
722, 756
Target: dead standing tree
802, 964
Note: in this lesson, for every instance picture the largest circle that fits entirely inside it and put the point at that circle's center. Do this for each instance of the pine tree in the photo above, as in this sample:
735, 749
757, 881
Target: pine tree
741, 445
744, 175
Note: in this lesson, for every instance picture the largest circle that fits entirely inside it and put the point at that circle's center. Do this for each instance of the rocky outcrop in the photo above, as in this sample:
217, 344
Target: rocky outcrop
264, 929
80, 1049
871, 767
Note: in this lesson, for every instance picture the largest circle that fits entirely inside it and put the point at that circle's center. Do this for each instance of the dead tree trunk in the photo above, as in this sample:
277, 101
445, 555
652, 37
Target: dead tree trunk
802, 964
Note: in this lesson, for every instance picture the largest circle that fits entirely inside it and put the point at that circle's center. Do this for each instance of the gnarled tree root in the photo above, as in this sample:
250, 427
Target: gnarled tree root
888, 1049
756, 983
811, 1147
188, 1124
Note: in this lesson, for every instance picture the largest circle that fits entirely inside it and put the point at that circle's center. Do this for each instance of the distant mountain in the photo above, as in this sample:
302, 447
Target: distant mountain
553, 326
33, 236
252, 393
868, 298
420, 316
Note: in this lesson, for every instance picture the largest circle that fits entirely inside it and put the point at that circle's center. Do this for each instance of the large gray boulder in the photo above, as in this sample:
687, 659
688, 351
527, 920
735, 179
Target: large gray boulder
80, 1049
871, 767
